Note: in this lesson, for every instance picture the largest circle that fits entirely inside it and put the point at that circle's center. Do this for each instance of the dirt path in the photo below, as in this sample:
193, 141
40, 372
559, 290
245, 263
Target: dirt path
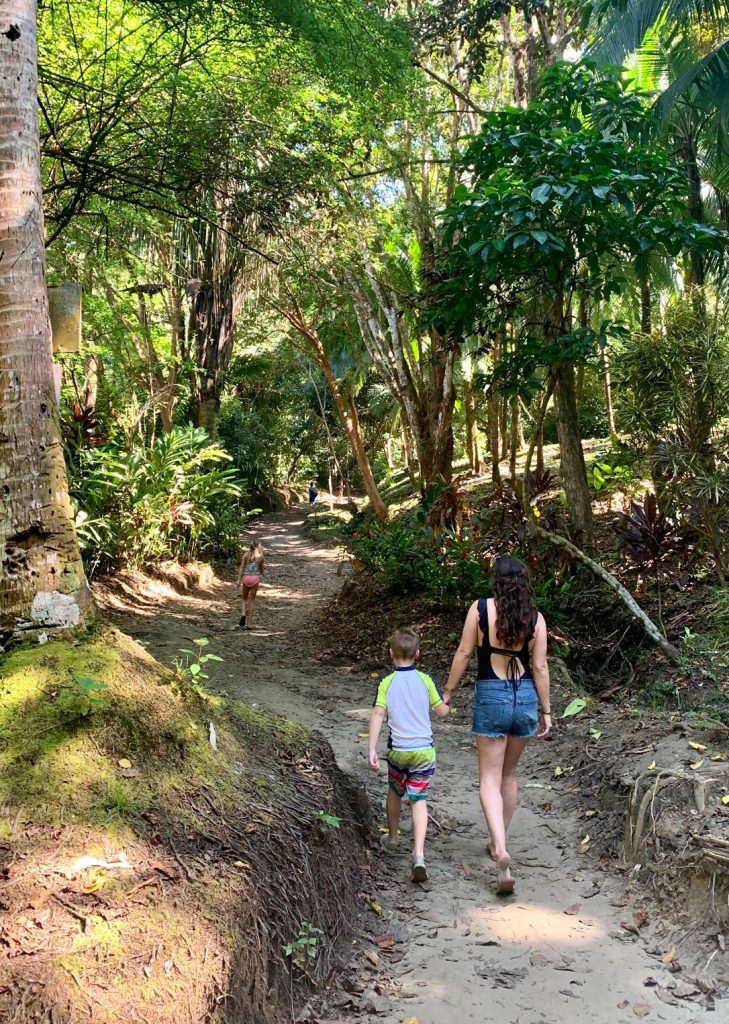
554, 952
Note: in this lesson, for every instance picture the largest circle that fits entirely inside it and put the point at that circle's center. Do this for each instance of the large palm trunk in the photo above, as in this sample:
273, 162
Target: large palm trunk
212, 332
42, 582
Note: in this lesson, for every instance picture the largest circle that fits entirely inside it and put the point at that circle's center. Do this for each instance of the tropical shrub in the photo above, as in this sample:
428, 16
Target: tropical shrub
137, 504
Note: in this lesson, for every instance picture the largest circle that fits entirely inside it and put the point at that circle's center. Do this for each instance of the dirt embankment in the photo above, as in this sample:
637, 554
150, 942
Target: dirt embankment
161, 849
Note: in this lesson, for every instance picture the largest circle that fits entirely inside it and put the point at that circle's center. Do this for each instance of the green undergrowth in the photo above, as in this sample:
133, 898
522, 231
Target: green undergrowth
217, 852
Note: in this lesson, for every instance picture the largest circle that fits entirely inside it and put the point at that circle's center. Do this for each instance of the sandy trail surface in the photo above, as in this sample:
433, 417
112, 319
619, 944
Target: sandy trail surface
556, 950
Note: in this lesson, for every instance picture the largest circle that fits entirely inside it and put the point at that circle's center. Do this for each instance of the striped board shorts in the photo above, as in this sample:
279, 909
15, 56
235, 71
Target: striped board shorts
409, 772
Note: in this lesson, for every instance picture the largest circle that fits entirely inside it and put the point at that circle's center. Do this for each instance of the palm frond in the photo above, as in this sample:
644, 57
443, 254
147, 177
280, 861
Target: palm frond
623, 31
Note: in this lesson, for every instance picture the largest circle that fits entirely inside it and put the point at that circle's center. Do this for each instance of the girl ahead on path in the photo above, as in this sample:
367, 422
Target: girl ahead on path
512, 695
249, 576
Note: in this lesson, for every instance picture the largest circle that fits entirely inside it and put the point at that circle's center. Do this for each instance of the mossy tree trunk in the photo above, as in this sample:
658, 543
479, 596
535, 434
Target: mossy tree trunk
42, 581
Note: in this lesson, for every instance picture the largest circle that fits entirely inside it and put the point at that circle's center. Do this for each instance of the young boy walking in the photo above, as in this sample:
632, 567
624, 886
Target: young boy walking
406, 697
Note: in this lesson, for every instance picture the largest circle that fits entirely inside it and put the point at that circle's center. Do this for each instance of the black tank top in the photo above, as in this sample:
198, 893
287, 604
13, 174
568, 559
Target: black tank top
485, 650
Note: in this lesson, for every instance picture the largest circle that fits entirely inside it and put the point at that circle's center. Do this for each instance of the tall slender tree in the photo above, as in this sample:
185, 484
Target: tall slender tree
42, 582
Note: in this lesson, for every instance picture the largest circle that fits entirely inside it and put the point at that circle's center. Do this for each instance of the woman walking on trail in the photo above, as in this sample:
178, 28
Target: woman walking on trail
249, 576
512, 695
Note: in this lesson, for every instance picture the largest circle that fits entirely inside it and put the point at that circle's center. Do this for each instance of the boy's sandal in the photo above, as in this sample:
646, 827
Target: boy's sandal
419, 872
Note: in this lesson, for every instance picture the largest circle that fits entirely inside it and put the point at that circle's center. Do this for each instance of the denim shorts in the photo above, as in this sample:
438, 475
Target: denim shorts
503, 708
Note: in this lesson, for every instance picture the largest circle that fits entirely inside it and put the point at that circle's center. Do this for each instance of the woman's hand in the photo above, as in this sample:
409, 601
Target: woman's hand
374, 761
545, 725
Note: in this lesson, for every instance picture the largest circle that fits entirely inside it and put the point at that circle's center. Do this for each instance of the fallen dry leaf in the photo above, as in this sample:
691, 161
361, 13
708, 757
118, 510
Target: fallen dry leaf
725, 799
125, 763
641, 1009
157, 865
666, 996
242, 865
374, 906
641, 918
590, 814
374, 958
95, 882
684, 990
720, 757
466, 869
669, 956
696, 764
651, 766
701, 747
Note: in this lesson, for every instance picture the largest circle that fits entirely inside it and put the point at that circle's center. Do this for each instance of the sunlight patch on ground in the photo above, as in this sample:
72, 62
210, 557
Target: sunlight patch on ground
361, 714
523, 926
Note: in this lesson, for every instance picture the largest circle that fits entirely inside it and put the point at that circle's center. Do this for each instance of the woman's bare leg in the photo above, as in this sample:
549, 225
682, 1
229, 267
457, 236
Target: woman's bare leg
509, 782
491, 752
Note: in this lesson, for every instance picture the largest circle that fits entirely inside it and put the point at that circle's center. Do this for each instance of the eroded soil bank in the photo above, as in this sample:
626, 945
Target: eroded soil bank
581, 940
160, 849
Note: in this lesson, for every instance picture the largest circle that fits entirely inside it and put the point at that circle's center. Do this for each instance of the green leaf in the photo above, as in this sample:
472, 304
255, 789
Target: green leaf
601, 191
202, 642
194, 669
574, 707
541, 194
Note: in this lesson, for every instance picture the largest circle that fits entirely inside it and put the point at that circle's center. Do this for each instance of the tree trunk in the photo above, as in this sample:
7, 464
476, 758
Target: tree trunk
696, 273
407, 461
514, 440
312, 347
354, 432
504, 427
42, 581
608, 393
469, 408
572, 457
579, 388
537, 441
494, 439
212, 332
645, 306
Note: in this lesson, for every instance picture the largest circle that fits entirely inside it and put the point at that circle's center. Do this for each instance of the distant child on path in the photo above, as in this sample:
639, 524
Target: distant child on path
406, 697
249, 576
312, 493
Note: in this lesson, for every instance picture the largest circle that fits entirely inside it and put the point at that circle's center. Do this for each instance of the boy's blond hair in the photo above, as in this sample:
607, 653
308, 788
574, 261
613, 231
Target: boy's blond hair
405, 643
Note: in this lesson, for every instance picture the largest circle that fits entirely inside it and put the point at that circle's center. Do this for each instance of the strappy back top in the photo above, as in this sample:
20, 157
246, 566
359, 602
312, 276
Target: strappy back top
252, 568
485, 650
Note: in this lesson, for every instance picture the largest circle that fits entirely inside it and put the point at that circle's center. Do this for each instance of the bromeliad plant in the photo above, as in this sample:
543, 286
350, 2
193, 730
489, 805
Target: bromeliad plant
136, 505
647, 535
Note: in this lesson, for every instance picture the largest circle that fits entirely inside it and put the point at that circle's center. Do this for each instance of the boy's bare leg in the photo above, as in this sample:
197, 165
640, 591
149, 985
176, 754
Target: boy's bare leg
393, 807
419, 811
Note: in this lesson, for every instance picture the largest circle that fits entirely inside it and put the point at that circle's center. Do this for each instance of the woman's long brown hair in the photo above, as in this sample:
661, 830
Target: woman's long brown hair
514, 602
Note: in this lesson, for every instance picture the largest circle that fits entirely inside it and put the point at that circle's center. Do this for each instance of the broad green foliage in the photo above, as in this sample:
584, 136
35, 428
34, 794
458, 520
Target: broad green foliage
139, 504
563, 195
